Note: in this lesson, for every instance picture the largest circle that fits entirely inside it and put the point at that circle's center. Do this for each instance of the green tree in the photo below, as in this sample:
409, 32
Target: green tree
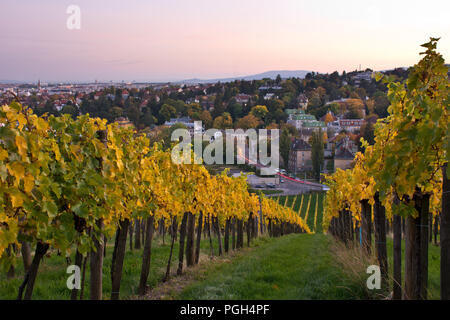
285, 146
330, 166
317, 153
235, 109
166, 112
166, 135
134, 114
148, 119
368, 134
278, 79
70, 109
116, 112
218, 106
381, 104
181, 107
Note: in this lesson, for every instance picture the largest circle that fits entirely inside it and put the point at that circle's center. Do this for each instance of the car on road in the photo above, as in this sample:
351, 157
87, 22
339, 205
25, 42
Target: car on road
271, 185
281, 181
260, 186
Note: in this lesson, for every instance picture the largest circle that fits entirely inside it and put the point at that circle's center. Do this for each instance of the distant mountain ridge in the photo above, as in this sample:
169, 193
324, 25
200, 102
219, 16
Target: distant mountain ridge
269, 74
12, 82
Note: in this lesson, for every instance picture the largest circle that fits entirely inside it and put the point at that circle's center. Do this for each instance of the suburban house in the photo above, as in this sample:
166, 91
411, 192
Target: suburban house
299, 156
97, 95
366, 76
351, 125
343, 159
306, 124
300, 120
269, 96
242, 98
302, 101
345, 151
270, 88
187, 122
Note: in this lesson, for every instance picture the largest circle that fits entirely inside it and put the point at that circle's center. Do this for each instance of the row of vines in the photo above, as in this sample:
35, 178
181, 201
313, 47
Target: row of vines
403, 176
309, 206
69, 184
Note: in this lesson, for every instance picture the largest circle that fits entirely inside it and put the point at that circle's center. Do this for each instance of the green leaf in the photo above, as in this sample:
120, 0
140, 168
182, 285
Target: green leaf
51, 208
81, 210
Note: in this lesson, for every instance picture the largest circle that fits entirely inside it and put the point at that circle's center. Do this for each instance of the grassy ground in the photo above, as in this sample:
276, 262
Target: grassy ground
296, 266
434, 262
319, 220
52, 276
297, 203
268, 191
292, 267
301, 267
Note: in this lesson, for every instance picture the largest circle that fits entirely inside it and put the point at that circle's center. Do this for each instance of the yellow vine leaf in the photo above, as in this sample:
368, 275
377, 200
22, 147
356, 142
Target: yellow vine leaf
21, 144
16, 199
28, 183
17, 170
3, 154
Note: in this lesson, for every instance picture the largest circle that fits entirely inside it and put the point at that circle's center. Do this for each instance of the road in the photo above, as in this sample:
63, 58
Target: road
291, 186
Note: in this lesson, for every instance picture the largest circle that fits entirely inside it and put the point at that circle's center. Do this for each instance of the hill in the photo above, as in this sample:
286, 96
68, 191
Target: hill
269, 74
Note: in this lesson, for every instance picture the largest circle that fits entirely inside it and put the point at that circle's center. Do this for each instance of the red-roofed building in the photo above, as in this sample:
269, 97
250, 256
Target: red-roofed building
97, 95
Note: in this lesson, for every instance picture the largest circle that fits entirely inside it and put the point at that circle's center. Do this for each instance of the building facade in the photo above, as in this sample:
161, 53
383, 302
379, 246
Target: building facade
299, 156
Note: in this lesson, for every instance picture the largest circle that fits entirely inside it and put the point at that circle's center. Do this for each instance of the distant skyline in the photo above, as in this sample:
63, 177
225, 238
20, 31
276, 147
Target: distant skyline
172, 40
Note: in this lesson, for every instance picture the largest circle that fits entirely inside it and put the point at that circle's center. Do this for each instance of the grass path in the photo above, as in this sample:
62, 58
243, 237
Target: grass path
296, 266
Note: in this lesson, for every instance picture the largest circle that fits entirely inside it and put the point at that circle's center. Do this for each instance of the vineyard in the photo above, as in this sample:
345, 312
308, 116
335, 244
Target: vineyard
69, 186
308, 206
119, 212
400, 183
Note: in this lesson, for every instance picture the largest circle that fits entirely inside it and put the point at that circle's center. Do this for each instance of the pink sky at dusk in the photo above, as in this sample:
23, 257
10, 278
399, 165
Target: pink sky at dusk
163, 40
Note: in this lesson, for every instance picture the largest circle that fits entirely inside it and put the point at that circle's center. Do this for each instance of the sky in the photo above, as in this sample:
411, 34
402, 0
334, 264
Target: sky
168, 40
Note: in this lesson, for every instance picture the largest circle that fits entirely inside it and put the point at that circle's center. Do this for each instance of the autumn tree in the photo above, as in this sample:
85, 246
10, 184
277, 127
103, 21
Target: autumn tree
206, 118
259, 111
247, 122
223, 122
